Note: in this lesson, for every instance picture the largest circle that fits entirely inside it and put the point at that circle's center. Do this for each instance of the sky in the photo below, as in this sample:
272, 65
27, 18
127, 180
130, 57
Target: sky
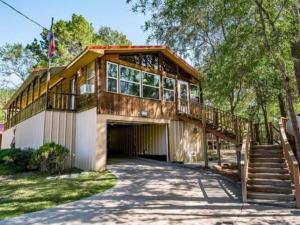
113, 13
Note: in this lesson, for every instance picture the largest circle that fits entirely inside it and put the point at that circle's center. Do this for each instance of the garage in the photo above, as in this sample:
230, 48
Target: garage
137, 140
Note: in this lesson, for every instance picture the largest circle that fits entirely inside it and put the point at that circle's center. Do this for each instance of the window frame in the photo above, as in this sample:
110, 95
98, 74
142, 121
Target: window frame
94, 73
114, 78
193, 99
151, 86
133, 82
167, 89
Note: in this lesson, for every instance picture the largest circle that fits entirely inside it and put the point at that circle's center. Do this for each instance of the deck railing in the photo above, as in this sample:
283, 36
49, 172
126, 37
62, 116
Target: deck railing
245, 151
35, 107
56, 101
215, 118
291, 160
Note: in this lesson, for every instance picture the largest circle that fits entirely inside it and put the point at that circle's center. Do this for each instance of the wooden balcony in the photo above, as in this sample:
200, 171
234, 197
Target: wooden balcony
123, 105
55, 102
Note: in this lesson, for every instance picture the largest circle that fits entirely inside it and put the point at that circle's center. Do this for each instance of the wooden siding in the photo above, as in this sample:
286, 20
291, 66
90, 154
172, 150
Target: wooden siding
123, 105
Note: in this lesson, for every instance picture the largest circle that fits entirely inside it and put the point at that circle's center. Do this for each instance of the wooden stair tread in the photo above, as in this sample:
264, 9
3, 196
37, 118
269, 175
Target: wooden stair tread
273, 182
271, 196
268, 170
268, 165
269, 189
287, 204
266, 147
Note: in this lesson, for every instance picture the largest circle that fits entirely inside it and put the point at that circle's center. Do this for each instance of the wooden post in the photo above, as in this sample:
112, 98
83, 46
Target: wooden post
176, 90
256, 131
39, 86
33, 84
238, 158
97, 80
219, 151
204, 139
271, 133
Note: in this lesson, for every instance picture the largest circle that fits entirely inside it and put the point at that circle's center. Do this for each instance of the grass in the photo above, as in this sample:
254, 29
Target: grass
28, 192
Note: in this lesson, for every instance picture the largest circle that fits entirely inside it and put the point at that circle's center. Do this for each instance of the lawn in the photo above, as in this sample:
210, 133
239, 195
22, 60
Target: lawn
29, 192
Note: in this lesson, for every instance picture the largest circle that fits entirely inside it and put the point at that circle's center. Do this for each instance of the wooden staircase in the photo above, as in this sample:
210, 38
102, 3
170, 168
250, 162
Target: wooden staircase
269, 177
270, 173
218, 122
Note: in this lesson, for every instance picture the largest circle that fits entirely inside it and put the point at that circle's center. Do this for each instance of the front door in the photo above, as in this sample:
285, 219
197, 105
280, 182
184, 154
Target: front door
183, 96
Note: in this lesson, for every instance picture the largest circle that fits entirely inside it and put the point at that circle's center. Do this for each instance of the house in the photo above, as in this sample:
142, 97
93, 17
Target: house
132, 100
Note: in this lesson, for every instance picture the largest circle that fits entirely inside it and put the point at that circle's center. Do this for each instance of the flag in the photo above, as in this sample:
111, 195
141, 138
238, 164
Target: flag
51, 48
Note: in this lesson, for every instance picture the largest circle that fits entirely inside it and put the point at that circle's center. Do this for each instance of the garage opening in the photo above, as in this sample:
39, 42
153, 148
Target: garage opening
137, 140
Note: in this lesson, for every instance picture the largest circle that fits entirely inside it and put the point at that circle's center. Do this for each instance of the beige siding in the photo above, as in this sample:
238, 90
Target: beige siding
185, 141
59, 128
28, 134
85, 139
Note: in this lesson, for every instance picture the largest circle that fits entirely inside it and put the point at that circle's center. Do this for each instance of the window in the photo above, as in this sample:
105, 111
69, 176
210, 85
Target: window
169, 86
151, 85
90, 73
194, 93
130, 81
112, 77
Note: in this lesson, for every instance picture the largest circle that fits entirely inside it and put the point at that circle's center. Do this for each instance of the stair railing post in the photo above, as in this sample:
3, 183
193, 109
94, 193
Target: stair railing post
271, 133
204, 140
256, 132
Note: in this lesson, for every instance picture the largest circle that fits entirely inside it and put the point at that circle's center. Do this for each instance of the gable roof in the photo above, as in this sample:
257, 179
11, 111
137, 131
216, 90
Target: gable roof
94, 51
148, 48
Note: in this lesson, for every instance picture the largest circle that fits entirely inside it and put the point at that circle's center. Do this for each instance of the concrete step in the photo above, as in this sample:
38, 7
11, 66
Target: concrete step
269, 189
269, 176
268, 170
267, 147
271, 196
267, 165
273, 182
267, 160
288, 204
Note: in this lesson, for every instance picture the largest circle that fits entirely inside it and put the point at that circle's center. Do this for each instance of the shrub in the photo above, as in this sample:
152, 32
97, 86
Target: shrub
50, 157
16, 157
7, 154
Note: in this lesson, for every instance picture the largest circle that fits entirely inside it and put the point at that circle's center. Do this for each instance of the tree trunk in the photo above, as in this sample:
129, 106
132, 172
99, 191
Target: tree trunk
295, 47
281, 104
266, 123
291, 109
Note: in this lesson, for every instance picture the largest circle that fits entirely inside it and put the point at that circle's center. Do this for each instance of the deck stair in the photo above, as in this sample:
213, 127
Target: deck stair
220, 123
269, 177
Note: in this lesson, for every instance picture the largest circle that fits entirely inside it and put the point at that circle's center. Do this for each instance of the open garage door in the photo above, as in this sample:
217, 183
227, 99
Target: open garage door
137, 140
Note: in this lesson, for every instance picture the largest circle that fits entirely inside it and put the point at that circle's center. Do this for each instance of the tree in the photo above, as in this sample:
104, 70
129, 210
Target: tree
16, 63
228, 39
72, 37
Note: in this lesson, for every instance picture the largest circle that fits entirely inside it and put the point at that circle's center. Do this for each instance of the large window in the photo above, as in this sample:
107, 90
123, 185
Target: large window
151, 85
112, 77
194, 93
130, 81
169, 89
90, 73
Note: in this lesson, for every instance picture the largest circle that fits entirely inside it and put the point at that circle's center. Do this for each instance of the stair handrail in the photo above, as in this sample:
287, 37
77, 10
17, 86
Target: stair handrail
245, 160
291, 160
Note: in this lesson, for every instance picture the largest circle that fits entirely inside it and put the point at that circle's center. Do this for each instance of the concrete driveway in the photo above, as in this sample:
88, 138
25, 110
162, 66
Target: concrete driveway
150, 192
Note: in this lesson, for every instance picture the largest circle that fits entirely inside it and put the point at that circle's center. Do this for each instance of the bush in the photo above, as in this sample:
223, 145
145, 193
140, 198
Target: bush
50, 157
16, 157
7, 154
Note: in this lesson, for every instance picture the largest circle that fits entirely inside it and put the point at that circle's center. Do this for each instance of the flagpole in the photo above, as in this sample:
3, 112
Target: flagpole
49, 65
